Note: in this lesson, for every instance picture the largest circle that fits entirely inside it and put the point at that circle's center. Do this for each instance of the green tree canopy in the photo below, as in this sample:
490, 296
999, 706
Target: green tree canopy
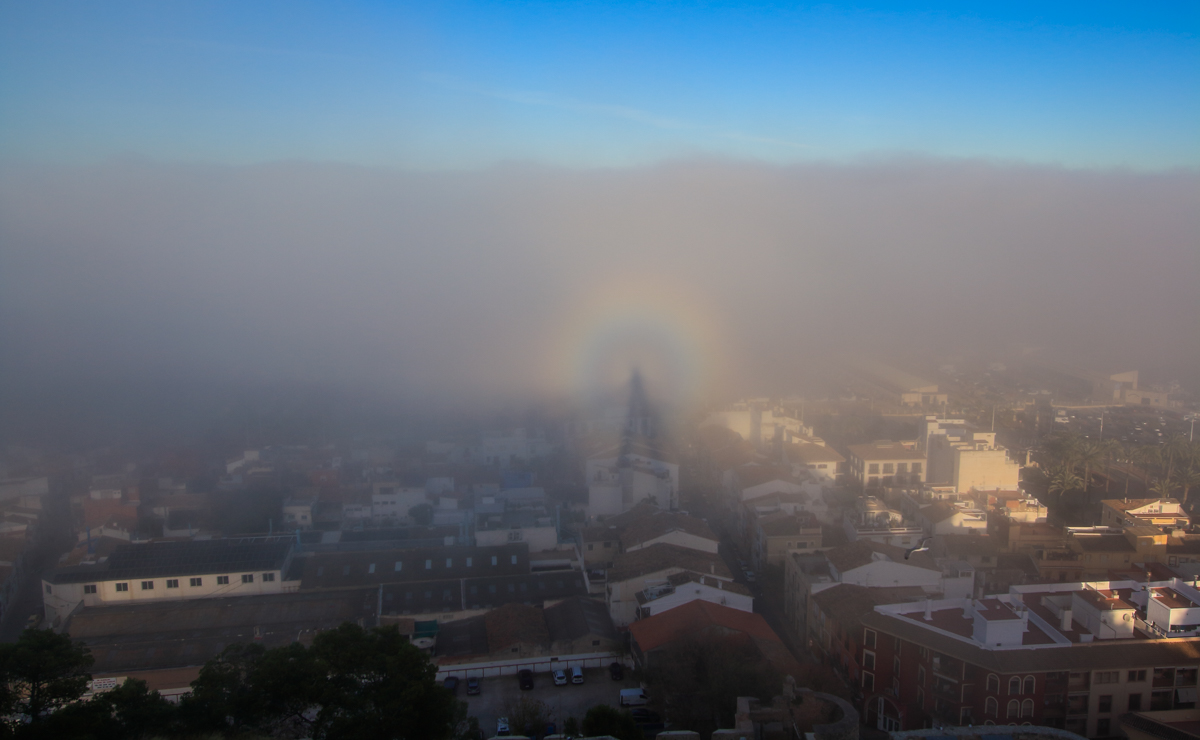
351, 683
604, 720
42, 672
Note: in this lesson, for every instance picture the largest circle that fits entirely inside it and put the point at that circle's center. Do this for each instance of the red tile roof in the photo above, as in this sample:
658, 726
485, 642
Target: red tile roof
694, 617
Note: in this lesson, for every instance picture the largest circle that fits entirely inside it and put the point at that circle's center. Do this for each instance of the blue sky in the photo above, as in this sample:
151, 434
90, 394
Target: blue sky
463, 85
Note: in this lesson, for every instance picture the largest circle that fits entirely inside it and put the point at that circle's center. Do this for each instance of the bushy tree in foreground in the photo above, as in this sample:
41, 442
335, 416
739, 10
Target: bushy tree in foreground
351, 683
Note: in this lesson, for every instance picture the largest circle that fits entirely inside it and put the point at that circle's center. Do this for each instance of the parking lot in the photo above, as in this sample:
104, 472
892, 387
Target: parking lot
498, 695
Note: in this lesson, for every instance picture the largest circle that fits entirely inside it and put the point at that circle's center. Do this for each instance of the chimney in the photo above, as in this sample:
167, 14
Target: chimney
712, 568
1064, 622
928, 609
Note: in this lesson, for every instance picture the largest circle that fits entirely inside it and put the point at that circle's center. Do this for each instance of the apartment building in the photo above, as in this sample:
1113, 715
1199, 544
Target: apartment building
887, 464
1074, 656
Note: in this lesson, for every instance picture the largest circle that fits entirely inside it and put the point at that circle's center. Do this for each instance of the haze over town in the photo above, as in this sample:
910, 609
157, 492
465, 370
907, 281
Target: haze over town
726, 370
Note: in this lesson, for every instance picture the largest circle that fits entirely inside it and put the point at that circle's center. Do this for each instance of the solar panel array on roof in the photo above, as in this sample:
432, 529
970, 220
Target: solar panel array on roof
193, 557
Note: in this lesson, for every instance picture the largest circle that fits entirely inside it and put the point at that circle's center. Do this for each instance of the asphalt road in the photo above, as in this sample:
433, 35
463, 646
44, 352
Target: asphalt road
498, 696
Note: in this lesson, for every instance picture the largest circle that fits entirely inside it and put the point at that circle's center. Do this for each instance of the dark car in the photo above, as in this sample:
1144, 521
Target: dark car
451, 684
472, 686
617, 671
641, 715
525, 676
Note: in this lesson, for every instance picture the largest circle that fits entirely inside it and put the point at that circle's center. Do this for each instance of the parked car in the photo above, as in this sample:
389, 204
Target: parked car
451, 684
472, 686
576, 675
641, 715
616, 671
749, 576
502, 729
633, 698
525, 676
560, 678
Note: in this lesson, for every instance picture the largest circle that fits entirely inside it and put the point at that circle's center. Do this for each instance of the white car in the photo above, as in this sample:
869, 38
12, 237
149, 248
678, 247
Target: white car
502, 727
560, 678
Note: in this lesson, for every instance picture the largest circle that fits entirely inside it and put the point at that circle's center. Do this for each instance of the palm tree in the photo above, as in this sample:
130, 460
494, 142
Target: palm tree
1110, 450
1188, 479
1088, 454
1162, 487
1145, 457
1175, 450
1063, 479
1063, 448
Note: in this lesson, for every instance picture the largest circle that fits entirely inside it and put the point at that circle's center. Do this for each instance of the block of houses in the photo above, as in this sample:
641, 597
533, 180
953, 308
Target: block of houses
779, 533
886, 464
957, 518
635, 571
706, 621
1158, 512
1073, 656
687, 586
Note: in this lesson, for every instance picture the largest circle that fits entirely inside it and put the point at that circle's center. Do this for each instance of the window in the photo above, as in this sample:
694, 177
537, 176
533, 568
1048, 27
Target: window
921, 675
1027, 708
888, 468
895, 666
591, 546
122, 586
493, 560
1136, 676
1135, 702
868, 682
1014, 709
172, 583
428, 565
1105, 703
399, 566
868, 660
271, 576
869, 638
48, 589
194, 582
89, 589
595, 643
514, 559
991, 707
1108, 676
470, 562
916, 468
1077, 704
224, 580
607, 545
370, 569
1102, 727
901, 467
147, 585
1030, 685
1014, 686
449, 562
345, 572
993, 682
873, 469
249, 577
320, 572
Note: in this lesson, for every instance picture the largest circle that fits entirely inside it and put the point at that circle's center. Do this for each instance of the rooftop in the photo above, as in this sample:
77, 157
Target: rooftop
662, 556
885, 451
169, 634
182, 558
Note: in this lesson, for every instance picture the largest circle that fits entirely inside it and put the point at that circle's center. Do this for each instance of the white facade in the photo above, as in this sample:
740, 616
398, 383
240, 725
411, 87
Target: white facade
681, 538
395, 503
60, 599
668, 597
539, 538
771, 486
